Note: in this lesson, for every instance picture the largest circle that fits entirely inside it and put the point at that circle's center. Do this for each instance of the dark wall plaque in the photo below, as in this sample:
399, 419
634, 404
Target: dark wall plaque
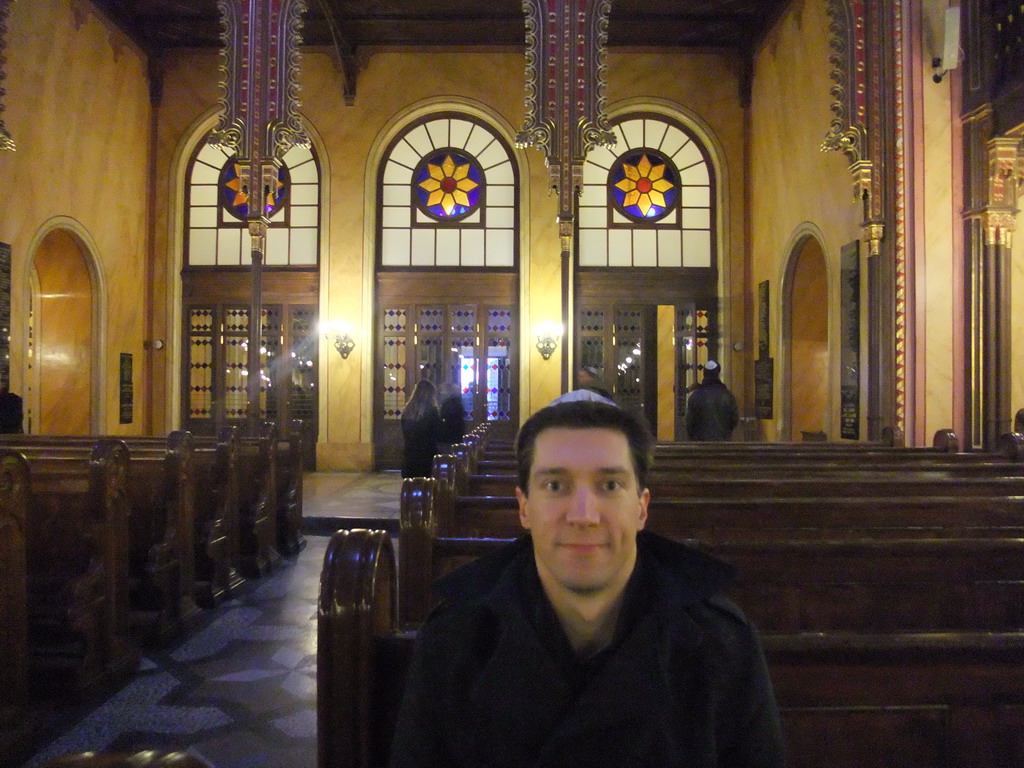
762, 320
764, 366
849, 353
5, 316
764, 387
126, 388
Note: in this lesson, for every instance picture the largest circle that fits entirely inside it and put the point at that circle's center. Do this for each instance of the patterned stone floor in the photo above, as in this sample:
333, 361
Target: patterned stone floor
240, 690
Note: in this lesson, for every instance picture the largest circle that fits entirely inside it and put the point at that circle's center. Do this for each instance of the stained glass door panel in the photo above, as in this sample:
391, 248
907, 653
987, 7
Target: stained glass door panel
463, 362
629, 369
499, 364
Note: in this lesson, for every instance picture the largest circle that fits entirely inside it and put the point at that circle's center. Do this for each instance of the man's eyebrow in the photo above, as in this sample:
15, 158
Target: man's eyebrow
565, 470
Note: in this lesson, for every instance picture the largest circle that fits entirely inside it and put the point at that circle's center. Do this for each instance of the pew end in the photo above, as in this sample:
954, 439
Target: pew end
362, 659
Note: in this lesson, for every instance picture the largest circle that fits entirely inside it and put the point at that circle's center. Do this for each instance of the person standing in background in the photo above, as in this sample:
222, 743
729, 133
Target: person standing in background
453, 417
11, 413
421, 429
711, 411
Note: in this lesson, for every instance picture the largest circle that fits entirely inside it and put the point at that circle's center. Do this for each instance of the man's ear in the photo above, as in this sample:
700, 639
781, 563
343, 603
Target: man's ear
524, 517
645, 499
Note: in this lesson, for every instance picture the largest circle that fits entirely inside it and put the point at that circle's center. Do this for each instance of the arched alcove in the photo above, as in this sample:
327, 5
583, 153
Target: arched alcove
805, 338
63, 338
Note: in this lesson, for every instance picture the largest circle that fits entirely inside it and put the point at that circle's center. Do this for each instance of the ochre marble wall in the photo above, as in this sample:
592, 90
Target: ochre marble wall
392, 87
793, 183
63, 338
1017, 310
77, 105
935, 255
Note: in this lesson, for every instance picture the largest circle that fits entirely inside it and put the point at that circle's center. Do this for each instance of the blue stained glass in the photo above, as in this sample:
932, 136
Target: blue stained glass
448, 184
644, 185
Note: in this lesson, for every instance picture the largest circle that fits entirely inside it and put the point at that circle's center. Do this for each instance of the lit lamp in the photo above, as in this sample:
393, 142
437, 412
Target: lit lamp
547, 335
339, 332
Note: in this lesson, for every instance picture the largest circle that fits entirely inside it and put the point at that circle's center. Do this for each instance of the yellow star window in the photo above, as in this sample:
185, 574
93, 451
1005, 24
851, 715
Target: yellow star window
644, 185
448, 185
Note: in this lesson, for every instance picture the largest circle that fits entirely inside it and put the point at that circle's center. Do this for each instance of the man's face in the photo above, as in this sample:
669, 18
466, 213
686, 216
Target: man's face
583, 510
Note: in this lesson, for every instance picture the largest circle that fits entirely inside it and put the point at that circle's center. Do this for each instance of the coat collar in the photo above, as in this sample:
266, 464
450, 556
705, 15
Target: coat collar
520, 700
685, 574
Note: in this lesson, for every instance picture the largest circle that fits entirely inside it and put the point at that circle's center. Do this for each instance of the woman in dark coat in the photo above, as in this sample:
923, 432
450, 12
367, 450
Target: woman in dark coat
453, 416
421, 428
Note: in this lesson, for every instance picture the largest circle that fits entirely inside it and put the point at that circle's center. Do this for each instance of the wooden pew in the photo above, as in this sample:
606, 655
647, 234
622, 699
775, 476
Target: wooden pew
291, 449
78, 584
430, 543
257, 501
215, 461
15, 729
161, 493
945, 696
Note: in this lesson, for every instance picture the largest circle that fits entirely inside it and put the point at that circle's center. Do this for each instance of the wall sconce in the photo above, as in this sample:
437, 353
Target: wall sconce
547, 335
340, 333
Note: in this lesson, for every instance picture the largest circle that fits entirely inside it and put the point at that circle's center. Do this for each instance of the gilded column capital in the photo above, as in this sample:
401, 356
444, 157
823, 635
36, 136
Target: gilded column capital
999, 227
1005, 171
565, 230
874, 233
863, 173
258, 234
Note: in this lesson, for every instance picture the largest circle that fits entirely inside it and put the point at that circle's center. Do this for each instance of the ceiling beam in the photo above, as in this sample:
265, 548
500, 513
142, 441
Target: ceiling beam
345, 45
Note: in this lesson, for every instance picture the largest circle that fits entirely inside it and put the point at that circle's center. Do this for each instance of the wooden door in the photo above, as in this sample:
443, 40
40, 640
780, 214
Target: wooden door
450, 329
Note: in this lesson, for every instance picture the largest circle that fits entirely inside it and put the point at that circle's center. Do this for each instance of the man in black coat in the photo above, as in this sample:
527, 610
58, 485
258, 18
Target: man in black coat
588, 642
711, 411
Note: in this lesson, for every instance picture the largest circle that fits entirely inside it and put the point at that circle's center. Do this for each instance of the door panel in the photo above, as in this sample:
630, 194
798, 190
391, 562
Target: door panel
216, 367
447, 346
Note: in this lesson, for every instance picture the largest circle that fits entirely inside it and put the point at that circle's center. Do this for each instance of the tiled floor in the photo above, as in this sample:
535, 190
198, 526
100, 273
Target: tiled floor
240, 690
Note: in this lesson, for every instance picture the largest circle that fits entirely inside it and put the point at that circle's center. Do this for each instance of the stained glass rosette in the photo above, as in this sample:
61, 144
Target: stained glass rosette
644, 185
236, 199
447, 185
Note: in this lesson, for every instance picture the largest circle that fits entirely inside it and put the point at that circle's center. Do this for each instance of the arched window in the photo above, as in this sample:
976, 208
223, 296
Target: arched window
446, 273
217, 204
649, 201
448, 197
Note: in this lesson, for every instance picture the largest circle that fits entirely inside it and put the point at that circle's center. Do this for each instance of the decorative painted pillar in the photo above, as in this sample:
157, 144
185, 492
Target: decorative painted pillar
6, 142
867, 126
990, 230
260, 123
566, 44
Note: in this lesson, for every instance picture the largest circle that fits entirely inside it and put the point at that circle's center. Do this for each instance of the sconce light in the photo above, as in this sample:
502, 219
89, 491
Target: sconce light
340, 333
548, 335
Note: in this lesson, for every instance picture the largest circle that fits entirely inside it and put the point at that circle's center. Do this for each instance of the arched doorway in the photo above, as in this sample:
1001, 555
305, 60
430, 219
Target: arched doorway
62, 334
647, 267
806, 303
446, 274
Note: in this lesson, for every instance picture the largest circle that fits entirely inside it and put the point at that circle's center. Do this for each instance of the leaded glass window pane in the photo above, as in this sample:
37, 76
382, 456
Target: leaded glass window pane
499, 385
395, 367
650, 203
219, 203
200, 374
302, 361
437, 205
270, 356
236, 361
629, 372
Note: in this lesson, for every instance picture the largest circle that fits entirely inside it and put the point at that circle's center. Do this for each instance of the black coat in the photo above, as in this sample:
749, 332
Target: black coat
685, 687
421, 438
711, 411
453, 420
